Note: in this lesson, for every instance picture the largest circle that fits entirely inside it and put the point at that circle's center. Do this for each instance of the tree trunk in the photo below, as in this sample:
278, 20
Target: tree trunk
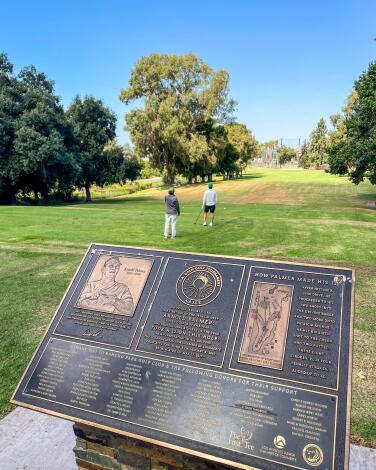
43, 177
36, 196
44, 193
170, 173
7, 199
210, 177
87, 190
8, 195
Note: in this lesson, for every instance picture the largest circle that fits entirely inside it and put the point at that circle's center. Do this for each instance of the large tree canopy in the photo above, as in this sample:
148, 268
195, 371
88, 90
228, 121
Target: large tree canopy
35, 140
93, 126
122, 165
42, 156
355, 153
244, 143
183, 99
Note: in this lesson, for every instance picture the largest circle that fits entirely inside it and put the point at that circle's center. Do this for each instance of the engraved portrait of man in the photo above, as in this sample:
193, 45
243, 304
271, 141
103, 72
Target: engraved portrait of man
108, 294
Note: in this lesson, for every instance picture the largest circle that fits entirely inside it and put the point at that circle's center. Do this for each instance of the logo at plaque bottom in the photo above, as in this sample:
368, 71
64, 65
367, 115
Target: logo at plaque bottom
313, 455
199, 285
279, 442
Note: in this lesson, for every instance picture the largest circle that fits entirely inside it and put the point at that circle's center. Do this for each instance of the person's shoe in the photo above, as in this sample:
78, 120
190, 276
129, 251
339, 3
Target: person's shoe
204, 224
173, 238
165, 238
211, 224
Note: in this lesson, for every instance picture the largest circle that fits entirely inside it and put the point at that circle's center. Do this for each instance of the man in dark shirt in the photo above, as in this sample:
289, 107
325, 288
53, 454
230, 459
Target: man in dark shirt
172, 212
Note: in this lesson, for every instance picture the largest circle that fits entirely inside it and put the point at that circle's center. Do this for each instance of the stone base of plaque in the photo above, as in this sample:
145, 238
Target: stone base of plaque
103, 450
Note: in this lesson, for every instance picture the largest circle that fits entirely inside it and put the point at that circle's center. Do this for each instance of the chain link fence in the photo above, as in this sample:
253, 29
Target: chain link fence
268, 155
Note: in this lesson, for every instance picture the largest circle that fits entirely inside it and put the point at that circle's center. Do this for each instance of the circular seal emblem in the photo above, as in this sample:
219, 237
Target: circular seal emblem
313, 455
199, 285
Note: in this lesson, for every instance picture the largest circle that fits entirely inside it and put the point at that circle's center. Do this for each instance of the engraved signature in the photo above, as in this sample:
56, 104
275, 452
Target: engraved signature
94, 332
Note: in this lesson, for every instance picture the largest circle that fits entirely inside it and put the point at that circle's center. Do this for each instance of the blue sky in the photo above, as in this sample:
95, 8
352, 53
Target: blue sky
290, 62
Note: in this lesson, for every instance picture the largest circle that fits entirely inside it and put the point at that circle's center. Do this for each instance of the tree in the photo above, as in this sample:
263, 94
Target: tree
45, 150
10, 109
130, 168
303, 156
147, 171
42, 157
244, 143
201, 158
355, 154
338, 121
226, 153
268, 150
93, 127
34, 137
122, 164
338, 159
318, 144
350, 103
285, 154
183, 98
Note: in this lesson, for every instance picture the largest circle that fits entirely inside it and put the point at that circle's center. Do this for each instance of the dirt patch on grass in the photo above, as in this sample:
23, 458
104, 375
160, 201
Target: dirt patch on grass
237, 191
272, 186
41, 249
273, 251
354, 223
266, 194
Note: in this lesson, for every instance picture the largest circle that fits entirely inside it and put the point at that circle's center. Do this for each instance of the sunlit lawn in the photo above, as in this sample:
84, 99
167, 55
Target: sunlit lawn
287, 214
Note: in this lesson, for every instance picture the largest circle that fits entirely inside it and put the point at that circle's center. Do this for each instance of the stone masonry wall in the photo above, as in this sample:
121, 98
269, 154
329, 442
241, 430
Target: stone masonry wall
102, 450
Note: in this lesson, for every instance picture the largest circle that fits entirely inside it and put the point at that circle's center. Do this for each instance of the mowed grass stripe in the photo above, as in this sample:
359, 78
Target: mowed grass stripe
246, 230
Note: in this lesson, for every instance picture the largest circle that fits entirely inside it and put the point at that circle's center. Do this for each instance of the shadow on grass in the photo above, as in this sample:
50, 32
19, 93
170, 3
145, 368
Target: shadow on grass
108, 201
124, 198
220, 181
251, 176
367, 197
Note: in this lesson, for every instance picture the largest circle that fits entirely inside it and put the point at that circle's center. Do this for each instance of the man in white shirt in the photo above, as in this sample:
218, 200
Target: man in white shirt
208, 204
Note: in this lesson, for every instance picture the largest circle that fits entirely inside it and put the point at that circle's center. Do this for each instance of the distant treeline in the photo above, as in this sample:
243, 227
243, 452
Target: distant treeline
184, 127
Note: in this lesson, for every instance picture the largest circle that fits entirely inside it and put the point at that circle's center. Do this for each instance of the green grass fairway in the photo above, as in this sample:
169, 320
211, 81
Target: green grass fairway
296, 215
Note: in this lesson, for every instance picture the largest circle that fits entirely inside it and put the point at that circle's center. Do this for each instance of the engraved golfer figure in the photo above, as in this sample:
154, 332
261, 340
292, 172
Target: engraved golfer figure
107, 294
266, 313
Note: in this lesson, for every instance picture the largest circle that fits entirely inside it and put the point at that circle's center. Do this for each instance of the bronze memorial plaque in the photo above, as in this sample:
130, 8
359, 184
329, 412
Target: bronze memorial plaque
242, 361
